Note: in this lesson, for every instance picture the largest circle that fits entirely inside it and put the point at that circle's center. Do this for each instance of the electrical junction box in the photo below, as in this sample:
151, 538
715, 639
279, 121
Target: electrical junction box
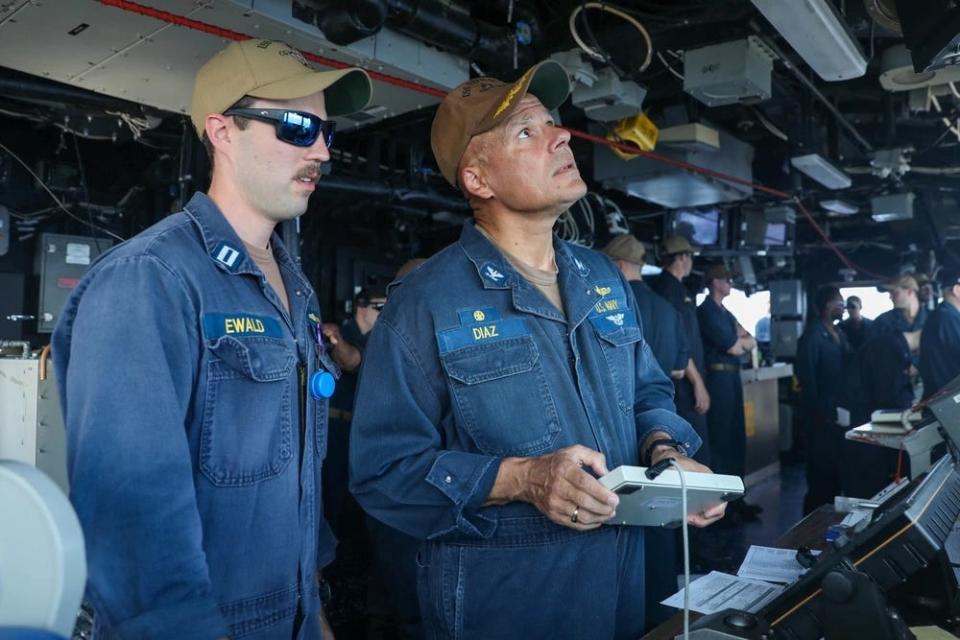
609, 98
729, 73
61, 261
784, 336
787, 299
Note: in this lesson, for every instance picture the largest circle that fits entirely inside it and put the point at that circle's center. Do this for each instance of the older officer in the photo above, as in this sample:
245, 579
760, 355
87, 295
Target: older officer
183, 357
693, 400
504, 376
724, 341
940, 343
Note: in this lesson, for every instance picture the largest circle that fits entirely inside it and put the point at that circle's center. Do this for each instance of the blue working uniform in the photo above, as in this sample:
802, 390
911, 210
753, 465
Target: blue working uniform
469, 363
661, 328
674, 292
856, 332
940, 348
193, 447
663, 331
725, 419
876, 377
820, 364
893, 321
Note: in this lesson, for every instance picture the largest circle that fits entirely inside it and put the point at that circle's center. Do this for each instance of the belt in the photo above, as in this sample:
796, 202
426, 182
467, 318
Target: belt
723, 367
340, 414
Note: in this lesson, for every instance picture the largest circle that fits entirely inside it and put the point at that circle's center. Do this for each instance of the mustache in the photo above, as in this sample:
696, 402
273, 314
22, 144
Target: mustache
313, 170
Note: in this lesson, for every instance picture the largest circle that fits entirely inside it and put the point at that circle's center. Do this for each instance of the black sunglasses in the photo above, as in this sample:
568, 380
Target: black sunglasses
298, 128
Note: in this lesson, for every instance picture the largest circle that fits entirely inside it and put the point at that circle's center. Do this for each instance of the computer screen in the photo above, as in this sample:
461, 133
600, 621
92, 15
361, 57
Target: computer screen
775, 234
703, 228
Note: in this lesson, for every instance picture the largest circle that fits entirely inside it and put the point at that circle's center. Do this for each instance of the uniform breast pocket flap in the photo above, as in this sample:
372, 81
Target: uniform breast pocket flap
246, 434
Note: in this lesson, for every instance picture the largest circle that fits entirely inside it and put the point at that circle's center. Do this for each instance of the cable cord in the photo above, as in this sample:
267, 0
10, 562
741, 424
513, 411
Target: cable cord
613, 10
59, 202
686, 550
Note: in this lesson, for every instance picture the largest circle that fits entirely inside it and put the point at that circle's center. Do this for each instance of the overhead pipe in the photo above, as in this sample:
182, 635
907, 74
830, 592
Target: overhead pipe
391, 194
435, 22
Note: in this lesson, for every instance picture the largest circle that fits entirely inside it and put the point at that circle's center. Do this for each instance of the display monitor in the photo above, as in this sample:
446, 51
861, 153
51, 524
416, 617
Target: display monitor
757, 233
704, 228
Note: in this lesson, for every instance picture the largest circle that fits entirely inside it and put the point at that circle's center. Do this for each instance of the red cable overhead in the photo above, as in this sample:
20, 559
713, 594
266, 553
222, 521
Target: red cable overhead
728, 178
172, 18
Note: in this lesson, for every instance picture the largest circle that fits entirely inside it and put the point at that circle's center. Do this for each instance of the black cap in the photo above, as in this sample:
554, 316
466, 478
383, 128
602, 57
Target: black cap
949, 276
370, 292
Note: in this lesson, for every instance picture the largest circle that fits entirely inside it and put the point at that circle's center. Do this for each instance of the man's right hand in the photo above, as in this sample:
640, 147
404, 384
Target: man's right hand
701, 399
558, 486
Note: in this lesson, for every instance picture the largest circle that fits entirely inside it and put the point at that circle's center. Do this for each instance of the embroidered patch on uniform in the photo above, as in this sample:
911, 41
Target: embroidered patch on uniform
603, 291
227, 255
477, 315
216, 325
483, 333
616, 323
490, 272
616, 319
580, 267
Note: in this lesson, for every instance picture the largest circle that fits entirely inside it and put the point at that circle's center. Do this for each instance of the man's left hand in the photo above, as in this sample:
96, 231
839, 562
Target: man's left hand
704, 518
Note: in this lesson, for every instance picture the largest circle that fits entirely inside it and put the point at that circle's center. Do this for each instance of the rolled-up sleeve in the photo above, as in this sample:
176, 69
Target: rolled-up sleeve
125, 352
400, 471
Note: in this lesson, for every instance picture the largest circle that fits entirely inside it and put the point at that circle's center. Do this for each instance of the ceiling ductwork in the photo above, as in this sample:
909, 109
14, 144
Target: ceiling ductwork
444, 25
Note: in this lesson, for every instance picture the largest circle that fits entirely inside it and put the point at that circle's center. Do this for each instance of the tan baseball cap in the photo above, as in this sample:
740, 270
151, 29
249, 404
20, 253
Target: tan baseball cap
481, 104
625, 247
674, 245
274, 70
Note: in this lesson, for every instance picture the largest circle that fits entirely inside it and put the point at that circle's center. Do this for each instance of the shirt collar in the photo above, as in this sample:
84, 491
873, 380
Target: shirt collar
222, 243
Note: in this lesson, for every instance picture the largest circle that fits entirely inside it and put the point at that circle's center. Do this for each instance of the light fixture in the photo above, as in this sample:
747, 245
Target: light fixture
839, 207
896, 206
822, 170
816, 31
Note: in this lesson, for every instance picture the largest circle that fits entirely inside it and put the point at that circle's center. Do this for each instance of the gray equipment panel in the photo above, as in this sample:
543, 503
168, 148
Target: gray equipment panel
62, 261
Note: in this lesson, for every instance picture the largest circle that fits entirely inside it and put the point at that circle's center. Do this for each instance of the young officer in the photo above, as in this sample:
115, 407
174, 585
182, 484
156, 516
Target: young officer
193, 382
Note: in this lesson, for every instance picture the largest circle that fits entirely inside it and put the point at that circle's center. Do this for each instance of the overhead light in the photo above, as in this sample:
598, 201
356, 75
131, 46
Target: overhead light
897, 72
815, 166
816, 31
896, 206
839, 207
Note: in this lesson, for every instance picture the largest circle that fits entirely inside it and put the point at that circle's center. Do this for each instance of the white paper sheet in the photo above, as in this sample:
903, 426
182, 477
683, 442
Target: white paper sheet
772, 565
717, 591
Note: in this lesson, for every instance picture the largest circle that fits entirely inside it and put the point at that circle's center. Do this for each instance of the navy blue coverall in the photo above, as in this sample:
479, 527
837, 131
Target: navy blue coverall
468, 364
725, 419
820, 364
940, 348
193, 447
674, 292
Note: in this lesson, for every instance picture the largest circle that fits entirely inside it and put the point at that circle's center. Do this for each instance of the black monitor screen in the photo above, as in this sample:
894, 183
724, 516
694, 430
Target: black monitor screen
775, 234
701, 228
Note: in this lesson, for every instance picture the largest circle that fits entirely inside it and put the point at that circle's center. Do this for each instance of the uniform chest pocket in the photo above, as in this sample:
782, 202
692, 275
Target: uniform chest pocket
502, 397
246, 432
618, 336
